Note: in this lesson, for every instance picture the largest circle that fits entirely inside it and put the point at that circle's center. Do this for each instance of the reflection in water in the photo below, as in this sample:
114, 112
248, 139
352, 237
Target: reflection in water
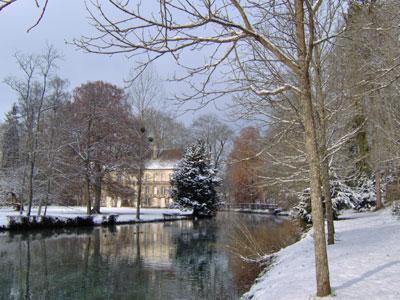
251, 237
175, 260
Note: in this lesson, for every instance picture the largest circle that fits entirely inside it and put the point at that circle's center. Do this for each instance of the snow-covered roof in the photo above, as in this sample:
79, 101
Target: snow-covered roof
158, 164
167, 159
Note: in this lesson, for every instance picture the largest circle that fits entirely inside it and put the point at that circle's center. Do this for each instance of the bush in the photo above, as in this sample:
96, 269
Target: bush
396, 208
33, 222
303, 209
109, 220
360, 198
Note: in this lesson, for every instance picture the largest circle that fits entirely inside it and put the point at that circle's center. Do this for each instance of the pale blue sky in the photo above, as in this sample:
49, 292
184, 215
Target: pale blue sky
63, 21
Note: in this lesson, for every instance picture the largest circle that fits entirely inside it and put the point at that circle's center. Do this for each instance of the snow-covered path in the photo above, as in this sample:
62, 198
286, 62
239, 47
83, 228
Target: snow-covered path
364, 263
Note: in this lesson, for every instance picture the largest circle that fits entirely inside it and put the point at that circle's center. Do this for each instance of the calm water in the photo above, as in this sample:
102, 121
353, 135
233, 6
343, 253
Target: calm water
176, 260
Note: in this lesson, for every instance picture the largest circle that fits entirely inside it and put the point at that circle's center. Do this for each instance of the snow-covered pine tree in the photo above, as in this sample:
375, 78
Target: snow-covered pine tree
10, 143
195, 181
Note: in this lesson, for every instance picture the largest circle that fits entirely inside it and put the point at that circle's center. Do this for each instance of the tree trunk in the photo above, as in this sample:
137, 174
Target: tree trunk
328, 201
34, 146
97, 195
22, 192
86, 195
41, 200
47, 196
30, 186
21, 205
97, 189
322, 128
87, 168
40, 207
326, 186
379, 204
139, 193
321, 258
311, 145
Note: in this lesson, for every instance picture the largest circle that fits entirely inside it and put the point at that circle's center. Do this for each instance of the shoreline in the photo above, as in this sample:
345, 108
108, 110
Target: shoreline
363, 262
74, 216
70, 217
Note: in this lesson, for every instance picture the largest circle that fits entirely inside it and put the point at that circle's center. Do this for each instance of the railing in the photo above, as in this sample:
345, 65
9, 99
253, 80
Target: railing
250, 206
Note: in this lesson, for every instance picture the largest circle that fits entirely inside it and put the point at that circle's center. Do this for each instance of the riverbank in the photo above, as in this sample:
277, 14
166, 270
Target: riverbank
364, 263
68, 216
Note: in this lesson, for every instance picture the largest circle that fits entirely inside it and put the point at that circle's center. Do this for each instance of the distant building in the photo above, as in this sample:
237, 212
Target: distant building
156, 186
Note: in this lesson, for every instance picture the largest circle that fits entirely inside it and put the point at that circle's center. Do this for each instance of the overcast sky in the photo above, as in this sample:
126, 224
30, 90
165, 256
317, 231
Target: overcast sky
63, 21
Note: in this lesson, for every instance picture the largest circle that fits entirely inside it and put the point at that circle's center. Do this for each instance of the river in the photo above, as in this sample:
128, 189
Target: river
174, 260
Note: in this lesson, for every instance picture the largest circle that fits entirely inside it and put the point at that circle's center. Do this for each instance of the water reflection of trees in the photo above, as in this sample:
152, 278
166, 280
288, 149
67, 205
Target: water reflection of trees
130, 263
253, 236
149, 261
201, 260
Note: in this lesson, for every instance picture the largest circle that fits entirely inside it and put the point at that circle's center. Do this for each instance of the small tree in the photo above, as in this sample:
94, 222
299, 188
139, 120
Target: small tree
195, 181
10, 146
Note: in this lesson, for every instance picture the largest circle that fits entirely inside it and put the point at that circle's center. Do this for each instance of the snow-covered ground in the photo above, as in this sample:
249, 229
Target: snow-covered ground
364, 263
124, 214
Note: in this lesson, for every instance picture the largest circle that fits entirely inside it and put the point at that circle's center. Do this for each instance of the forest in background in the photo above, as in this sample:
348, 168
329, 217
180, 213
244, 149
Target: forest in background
66, 147
53, 134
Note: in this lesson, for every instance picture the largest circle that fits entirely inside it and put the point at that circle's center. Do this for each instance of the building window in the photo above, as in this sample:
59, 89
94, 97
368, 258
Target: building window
155, 190
147, 177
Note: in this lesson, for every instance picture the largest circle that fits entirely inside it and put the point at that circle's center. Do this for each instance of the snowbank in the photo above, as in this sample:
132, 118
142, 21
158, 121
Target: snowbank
364, 263
76, 216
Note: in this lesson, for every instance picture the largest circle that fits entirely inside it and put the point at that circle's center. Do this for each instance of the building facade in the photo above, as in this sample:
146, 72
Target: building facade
155, 184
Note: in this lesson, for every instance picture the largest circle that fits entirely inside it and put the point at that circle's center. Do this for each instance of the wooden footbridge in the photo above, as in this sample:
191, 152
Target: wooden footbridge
269, 208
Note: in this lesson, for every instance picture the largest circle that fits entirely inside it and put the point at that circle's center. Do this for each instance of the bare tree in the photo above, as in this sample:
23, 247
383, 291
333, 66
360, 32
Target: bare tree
41, 5
145, 92
52, 141
244, 167
363, 71
167, 131
146, 97
32, 91
215, 134
97, 118
142, 156
177, 26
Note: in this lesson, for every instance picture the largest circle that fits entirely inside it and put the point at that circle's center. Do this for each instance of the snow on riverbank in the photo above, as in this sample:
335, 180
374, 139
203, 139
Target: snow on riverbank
123, 214
364, 263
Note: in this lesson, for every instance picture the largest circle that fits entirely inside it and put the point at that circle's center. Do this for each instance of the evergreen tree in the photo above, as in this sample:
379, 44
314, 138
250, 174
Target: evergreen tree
195, 181
10, 146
